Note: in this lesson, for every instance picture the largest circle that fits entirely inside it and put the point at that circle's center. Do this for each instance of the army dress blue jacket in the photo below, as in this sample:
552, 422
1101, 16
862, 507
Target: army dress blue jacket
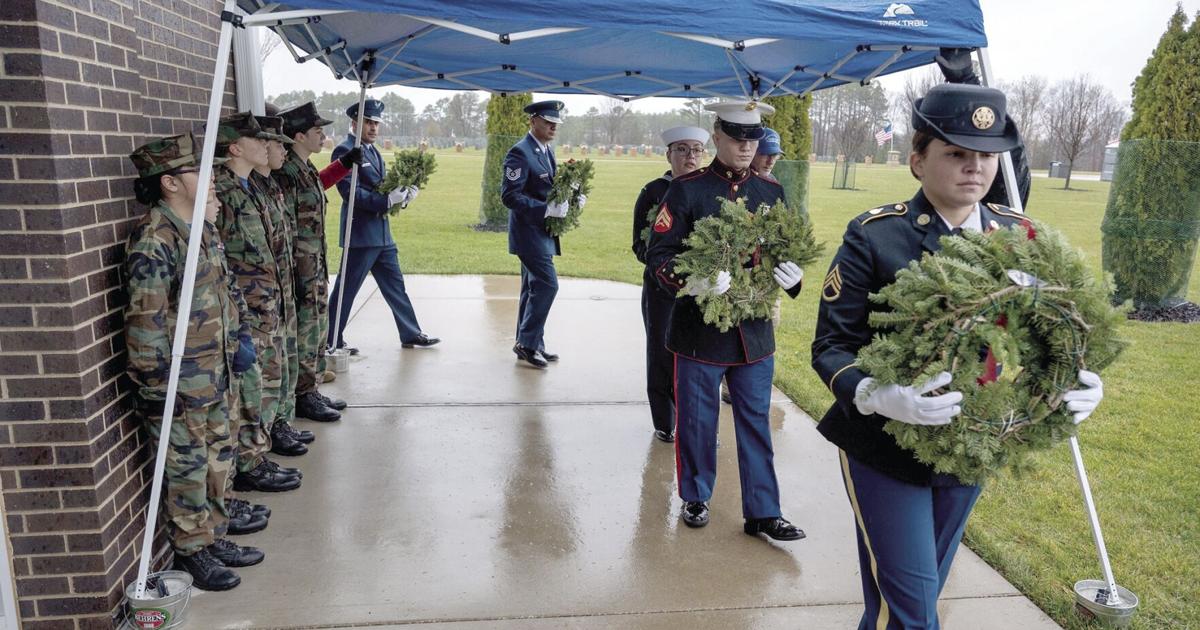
371, 227
876, 245
690, 198
528, 176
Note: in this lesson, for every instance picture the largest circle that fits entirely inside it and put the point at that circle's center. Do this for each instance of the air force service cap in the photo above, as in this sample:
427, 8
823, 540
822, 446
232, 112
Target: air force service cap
372, 110
968, 116
741, 120
547, 110
676, 134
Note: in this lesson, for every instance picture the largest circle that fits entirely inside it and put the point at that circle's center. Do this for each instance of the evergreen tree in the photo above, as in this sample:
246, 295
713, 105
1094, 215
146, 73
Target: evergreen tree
506, 124
1151, 222
795, 137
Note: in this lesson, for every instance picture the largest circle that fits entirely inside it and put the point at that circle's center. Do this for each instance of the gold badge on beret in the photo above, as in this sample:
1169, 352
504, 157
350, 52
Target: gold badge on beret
831, 290
923, 219
983, 118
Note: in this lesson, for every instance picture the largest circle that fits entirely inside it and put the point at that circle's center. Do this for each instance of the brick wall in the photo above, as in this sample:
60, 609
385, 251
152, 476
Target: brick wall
82, 82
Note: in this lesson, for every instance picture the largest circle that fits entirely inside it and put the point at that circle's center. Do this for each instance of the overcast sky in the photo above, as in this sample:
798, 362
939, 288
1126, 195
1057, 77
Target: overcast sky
1058, 39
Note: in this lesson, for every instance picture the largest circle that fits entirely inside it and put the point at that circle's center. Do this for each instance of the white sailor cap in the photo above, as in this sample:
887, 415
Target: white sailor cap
675, 134
741, 119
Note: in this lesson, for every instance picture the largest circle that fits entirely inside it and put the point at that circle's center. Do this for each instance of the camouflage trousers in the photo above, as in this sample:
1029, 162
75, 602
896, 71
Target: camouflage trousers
312, 314
200, 456
259, 389
291, 366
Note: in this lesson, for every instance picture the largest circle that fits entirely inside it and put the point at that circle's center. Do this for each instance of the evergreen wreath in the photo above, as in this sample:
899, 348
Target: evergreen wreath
748, 245
408, 168
572, 179
1025, 299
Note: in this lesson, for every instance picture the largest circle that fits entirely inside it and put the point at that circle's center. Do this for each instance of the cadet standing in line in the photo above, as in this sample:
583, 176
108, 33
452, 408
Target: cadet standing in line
218, 346
703, 354
910, 519
304, 194
285, 439
244, 227
685, 151
372, 249
529, 170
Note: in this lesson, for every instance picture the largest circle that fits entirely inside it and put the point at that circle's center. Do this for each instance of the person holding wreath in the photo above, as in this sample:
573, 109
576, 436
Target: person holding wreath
909, 518
703, 352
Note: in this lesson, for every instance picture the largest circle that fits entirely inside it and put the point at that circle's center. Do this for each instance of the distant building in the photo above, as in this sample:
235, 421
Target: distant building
1110, 161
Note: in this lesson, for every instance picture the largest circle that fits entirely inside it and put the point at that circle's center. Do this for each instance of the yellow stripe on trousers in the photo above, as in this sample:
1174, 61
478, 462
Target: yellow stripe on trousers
881, 622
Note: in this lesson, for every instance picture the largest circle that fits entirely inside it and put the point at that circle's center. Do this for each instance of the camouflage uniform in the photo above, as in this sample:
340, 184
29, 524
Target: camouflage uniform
305, 202
201, 448
283, 228
245, 228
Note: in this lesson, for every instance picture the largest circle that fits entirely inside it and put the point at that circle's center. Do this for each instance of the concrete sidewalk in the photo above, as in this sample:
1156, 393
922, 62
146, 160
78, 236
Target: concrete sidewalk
464, 491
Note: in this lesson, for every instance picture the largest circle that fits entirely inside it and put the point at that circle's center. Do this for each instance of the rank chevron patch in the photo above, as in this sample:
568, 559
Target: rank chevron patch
662, 223
831, 290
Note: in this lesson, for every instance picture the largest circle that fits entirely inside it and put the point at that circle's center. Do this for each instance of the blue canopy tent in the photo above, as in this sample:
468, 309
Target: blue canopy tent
673, 48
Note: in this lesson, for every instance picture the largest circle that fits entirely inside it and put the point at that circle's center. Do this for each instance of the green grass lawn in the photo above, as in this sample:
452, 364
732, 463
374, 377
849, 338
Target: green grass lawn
1139, 446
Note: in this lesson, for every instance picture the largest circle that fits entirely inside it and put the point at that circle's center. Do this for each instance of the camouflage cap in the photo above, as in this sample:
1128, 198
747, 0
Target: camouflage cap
167, 154
273, 125
301, 118
240, 125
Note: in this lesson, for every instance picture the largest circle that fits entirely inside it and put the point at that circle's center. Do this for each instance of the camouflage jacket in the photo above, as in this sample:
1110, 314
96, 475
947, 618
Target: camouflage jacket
305, 199
154, 265
283, 227
247, 233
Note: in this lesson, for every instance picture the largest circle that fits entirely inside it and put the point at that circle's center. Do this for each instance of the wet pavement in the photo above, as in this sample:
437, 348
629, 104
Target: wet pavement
464, 491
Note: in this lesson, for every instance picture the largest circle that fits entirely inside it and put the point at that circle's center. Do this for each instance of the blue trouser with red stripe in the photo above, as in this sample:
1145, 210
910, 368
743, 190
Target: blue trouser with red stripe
907, 537
697, 405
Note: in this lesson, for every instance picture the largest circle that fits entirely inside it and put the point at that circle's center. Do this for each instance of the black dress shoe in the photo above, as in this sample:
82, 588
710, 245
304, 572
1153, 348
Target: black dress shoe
264, 480
695, 513
332, 403
299, 435
530, 356
548, 356
776, 527
232, 554
246, 523
283, 470
207, 572
422, 341
284, 443
241, 506
312, 407
664, 436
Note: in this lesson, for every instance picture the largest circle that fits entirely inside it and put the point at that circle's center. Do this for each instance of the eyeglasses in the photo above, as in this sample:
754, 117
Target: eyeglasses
681, 151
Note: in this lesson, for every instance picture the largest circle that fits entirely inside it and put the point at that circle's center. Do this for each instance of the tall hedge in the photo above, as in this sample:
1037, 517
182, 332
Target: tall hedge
795, 137
1152, 221
506, 123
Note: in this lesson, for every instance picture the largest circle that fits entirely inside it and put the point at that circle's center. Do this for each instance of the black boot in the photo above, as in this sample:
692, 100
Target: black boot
300, 435
246, 523
240, 506
312, 407
333, 403
263, 479
207, 572
232, 554
283, 470
284, 443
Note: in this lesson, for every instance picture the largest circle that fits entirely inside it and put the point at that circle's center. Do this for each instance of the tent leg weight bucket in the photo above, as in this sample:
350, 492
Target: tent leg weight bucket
339, 361
163, 605
1094, 602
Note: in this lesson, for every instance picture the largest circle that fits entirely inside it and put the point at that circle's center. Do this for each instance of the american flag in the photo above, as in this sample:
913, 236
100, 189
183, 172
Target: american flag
883, 135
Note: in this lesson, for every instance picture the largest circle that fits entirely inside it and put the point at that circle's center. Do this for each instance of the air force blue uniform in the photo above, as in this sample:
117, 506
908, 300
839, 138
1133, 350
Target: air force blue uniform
372, 249
528, 176
703, 354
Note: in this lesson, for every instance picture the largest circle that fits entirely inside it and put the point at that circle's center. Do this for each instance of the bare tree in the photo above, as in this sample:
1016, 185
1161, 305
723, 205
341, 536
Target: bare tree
1074, 111
267, 45
1027, 100
613, 116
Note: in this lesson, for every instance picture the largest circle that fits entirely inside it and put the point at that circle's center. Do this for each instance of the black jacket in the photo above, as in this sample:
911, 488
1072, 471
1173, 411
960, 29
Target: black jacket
651, 197
877, 244
690, 198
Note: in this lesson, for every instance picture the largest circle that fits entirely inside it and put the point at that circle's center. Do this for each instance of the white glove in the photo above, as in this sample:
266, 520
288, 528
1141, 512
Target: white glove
402, 196
557, 209
1084, 401
909, 404
788, 274
582, 201
704, 286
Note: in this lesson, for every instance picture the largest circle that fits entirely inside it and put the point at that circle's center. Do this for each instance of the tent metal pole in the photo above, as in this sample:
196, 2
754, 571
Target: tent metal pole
337, 322
287, 18
1006, 162
195, 235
